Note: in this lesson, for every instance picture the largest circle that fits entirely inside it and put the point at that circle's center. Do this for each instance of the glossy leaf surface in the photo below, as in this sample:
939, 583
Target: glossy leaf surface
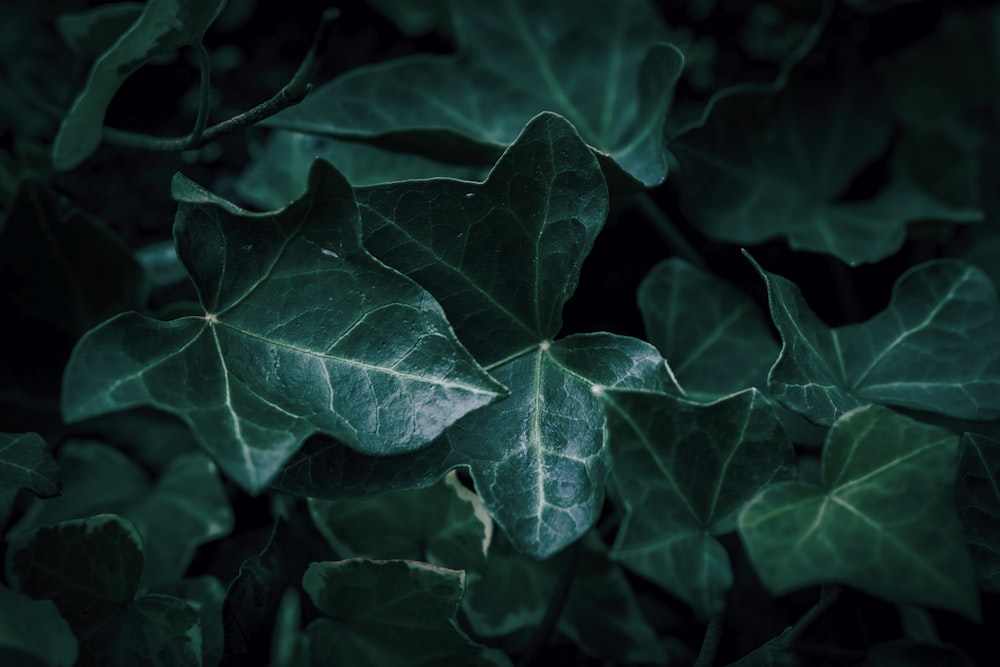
155, 630
34, 630
517, 58
936, 347
303, 332
163, 27
26, 463
414, 603
884, 520
683, 471
978, 497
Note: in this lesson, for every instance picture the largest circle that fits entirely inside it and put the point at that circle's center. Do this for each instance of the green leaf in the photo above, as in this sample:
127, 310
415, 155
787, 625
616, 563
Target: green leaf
281, 172
936, 347
289, 647
714, 337
303, 332
34, 630
389, 613
684, 471
163, 27
768, 165
909, 653
445, 525
93, 31
884, 520
89, 568
517, 58
205, 595
27, 463
978, 497
155, 630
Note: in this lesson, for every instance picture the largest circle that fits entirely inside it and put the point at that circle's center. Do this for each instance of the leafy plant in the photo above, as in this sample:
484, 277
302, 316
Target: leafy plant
502, 333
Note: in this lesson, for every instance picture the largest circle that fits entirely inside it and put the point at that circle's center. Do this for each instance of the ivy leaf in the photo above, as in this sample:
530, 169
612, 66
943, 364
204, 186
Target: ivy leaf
33, 633
884, 520
767, 165
163, 27
26, 463
389, 613
517, 58
445, 525
978, 497
936, 347
89, 568
303, 332
93, 31
683, 471
156, 630
713, 335
205, 594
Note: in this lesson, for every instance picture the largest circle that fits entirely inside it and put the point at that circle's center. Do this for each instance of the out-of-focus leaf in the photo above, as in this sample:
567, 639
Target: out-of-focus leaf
34, 630
161, 264
27, 463
163, 27
775, 653
416, 17
603, 67
714, 337
155, 630
445, 525
303, 331
289, 647
684, 471
389, 613
205, 595
909, 653
89, 568
149, 437
884, 520
93, 31
978, 498
936, 347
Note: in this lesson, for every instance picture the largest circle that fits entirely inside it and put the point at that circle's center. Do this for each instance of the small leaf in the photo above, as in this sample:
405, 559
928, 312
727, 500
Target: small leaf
303, 332
155, 630
26, 463
683, 471
34, 630
89, 568
884, 520
936, 347
389, 613
978, 497
517, 58
163, 27
714, 337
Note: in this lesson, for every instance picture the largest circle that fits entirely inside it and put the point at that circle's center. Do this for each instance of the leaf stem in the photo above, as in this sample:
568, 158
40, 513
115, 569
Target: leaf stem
291, 94
557, 602
204, 92
668, 230
829, 594
710, 645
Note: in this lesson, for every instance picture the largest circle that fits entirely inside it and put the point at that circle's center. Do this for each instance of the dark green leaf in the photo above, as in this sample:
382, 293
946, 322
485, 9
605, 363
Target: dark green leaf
909, 653
416, 17
163, 27
884, 520
978, 498
684, 471
517, 58
303, 332
92, 32
775, 653
445, 524
89, 568
155, 630
205, 595
33, 629
713, 335
389, 613
289, 647
27, 463
936, 347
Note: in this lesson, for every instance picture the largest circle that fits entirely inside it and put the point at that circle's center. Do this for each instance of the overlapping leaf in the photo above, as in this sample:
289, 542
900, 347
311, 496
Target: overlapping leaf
884, 520
27, 463
33, 633
683, 471
978, 497
389, 613
303, 332
768, 165
163, 27
603, 67
936, 347
157, 630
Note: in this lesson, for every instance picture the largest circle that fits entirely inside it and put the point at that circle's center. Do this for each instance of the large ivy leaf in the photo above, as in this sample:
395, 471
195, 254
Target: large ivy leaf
163, 27
89, 568
936, 347
303, 332
389, 613
883, 521
27, 463
600, 66
767, 165
683, 471
714, 337
93, 31
156, 630
33, 633
978, 496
